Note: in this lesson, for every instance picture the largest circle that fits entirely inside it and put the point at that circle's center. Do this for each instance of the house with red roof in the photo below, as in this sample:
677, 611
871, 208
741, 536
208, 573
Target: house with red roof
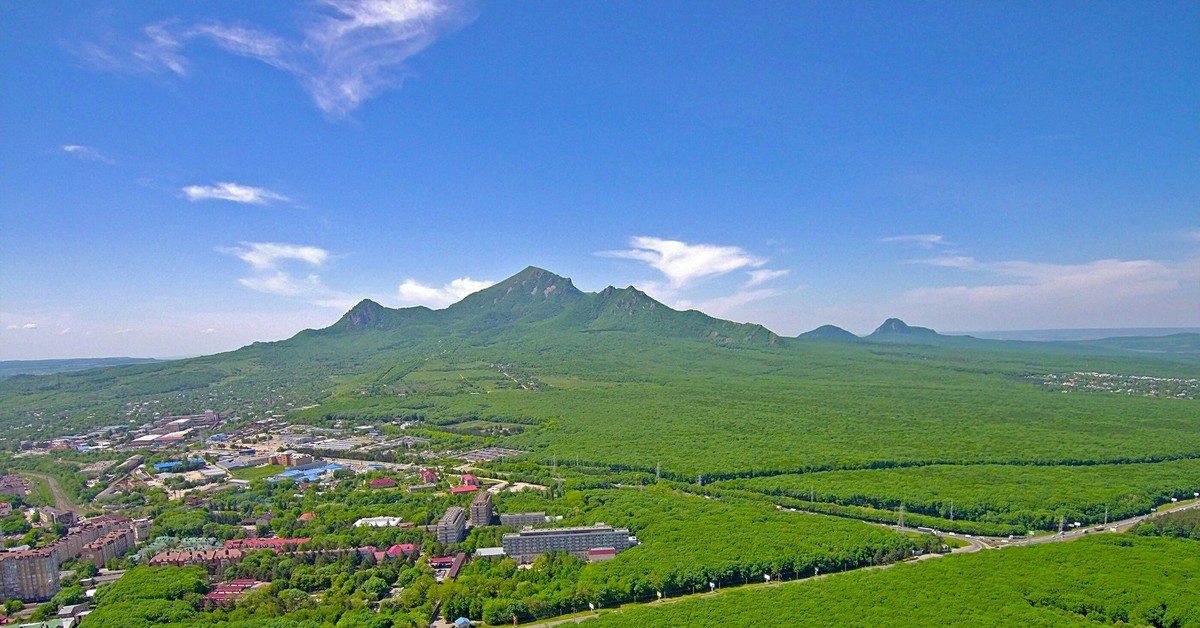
383, 483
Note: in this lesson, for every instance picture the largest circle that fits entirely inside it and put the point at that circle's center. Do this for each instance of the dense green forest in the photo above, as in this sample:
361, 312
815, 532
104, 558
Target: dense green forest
1094, 581
1029, 496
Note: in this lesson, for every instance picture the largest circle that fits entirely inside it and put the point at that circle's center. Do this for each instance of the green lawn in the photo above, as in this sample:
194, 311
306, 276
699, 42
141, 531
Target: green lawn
256, 473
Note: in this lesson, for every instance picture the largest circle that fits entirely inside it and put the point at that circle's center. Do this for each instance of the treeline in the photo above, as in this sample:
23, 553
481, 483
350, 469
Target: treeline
1018, 497
1184, 524
1108, 579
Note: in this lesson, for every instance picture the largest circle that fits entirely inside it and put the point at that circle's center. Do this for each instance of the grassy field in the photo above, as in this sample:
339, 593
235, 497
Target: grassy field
256, 473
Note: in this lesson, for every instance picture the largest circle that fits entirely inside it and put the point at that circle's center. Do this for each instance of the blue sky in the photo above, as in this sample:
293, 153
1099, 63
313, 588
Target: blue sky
185, 178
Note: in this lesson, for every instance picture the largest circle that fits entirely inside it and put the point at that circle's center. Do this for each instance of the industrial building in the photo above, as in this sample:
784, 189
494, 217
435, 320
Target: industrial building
528, 544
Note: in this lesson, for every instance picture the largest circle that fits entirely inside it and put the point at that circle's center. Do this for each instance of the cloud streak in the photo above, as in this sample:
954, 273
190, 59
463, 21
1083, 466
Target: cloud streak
233, 192
412, 291
86, 153
23, 327
348, 51
683, 264
272, 265
758, 277
923, 240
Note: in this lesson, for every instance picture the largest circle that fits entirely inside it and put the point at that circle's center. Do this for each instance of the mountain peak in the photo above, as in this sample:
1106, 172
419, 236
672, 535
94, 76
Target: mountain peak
366, 313
895, 326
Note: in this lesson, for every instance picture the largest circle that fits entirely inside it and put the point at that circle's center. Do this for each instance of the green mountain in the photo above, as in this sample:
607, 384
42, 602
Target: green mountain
829, 332
894, 328
532, 331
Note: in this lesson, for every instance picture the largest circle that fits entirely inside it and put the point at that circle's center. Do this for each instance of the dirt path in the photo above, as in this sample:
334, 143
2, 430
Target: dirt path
61, 501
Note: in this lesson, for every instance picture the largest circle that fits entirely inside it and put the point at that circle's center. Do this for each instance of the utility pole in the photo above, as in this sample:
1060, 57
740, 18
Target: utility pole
901, 515
700, 479
1061, 520
1106, 516
811, 493
658, 472
952, 510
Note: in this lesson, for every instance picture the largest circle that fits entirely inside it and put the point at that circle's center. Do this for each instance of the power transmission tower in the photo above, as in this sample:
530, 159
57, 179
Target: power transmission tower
901, 515
658, 472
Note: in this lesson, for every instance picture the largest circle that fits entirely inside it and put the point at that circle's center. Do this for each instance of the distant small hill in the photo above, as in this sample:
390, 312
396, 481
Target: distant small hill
13, 368
897, 327
829, 332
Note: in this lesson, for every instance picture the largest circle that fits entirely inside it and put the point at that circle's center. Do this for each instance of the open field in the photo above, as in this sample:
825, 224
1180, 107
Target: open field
256, 473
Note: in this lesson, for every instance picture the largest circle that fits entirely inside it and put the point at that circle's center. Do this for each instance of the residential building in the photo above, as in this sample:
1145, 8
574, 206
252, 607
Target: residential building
115, 544
5, 509
528, 544
52, 516
481, 509
28, 575
451, 526
273, 544
520, 520
215, 560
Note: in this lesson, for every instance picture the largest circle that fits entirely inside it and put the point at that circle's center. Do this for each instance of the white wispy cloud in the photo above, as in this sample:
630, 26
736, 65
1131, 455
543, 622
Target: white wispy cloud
764, 275
23, 326
86, 152
347, 52
681, 263
923, 240
235, 192
121, 332
274, 270
412, 291
947, 261
267, 255
64, 331
208, 330
1193, 235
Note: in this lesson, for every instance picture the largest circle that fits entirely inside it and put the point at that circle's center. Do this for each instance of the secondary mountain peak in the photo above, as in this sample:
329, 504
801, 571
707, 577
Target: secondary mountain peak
895, 326
366, 314
829, 332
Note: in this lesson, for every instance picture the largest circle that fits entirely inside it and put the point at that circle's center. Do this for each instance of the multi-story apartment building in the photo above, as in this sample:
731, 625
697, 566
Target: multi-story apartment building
519, 520
115, 544
528, 544
451, 526
481, 509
